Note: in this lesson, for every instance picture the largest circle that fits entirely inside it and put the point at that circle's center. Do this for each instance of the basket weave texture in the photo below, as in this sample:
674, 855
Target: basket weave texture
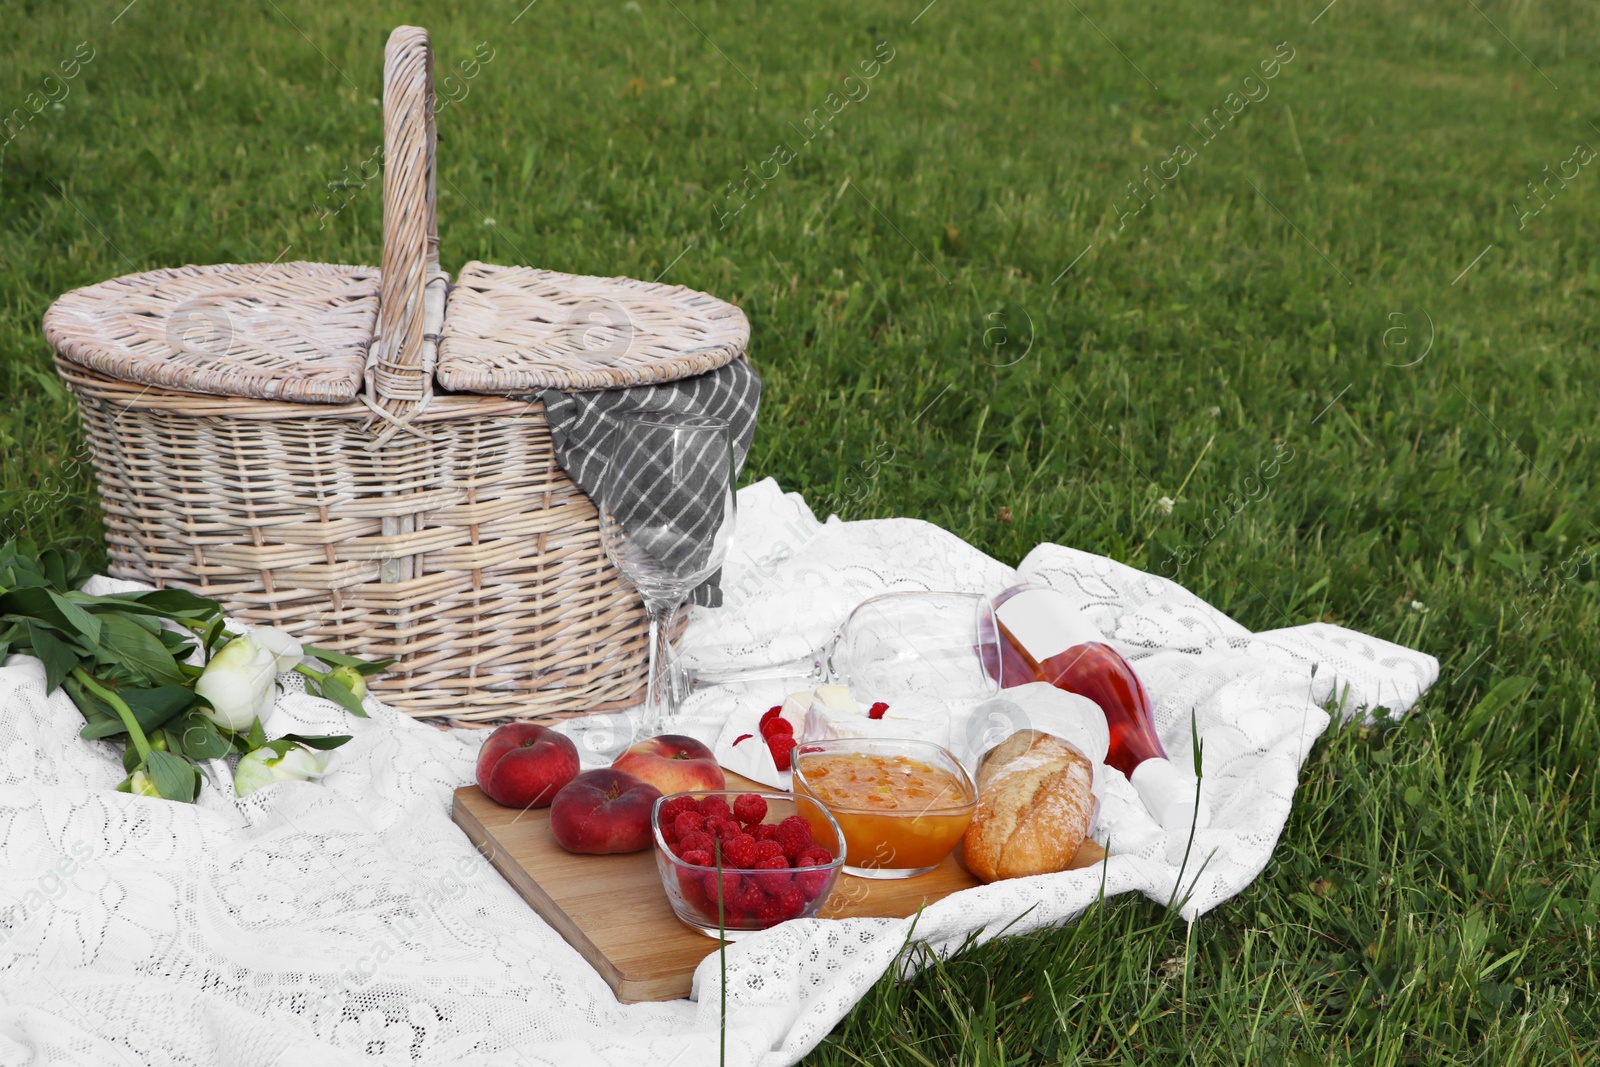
270, 435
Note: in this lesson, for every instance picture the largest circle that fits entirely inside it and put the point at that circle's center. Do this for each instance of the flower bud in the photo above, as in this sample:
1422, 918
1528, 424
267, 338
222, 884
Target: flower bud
141, 784
263, 766
351, 679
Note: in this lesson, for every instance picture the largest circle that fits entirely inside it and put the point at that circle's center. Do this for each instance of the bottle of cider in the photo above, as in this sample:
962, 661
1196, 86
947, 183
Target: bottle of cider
1044, 639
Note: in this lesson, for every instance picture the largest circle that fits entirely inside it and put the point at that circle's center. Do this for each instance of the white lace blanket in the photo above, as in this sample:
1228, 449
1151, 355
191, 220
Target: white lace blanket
349, 921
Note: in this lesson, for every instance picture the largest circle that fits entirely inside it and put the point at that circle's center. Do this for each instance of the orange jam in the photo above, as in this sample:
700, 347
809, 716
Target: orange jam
895, 811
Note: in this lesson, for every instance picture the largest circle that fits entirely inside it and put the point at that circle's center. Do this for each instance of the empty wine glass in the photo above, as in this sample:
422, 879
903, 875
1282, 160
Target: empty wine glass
893, 646
666, 506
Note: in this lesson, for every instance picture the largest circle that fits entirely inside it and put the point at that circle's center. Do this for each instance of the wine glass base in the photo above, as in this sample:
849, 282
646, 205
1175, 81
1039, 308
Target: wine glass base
886, 873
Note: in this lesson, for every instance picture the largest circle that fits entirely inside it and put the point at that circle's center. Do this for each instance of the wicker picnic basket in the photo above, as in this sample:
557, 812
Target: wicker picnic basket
332, 450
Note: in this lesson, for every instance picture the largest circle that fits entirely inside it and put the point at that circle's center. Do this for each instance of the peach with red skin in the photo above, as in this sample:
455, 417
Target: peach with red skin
673, 763
524, 765
603, 811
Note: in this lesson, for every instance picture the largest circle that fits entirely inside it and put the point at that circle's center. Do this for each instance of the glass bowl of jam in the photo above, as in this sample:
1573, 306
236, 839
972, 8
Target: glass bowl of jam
902, 805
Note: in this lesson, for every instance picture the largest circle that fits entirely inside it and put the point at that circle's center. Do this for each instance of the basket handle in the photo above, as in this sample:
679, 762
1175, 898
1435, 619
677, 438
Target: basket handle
399, 371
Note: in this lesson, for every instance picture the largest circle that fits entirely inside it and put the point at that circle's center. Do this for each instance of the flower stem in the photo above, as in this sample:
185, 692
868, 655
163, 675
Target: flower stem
140, 743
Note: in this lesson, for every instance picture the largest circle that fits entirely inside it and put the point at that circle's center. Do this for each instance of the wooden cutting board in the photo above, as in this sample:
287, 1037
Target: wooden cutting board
613, 910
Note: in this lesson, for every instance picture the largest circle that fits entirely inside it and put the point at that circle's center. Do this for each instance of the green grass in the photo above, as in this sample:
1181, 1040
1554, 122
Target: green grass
1434, 898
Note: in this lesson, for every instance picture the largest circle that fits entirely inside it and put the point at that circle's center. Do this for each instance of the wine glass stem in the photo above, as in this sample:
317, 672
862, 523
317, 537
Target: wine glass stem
656, 710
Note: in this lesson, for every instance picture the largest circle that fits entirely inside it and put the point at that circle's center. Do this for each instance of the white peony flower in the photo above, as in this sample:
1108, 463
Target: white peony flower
241, 682
286, 651
263, 767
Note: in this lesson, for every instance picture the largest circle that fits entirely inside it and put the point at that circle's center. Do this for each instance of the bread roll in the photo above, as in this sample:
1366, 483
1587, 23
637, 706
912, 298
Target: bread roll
1034, 807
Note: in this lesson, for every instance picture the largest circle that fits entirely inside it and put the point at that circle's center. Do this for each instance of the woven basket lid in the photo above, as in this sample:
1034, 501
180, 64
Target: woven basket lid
511, 329
316, 333
277, 331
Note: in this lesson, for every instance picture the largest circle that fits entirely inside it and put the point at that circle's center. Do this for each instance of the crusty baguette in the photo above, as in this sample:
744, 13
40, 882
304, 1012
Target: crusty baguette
1034, 807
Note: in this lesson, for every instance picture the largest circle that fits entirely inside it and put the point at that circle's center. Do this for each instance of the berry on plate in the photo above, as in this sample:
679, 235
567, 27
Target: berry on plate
781, 745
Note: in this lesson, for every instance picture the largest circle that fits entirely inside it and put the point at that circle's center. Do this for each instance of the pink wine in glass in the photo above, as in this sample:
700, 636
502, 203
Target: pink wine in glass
1043, 639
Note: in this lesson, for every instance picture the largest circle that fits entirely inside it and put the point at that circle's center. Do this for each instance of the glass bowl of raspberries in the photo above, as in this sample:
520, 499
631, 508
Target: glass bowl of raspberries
773, 866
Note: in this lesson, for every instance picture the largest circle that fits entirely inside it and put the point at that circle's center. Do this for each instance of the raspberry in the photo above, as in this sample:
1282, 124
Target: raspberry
767, 876
812, 883
699, 857
670, 833
767, 849
691, 887
688, 822
877, 710
770, 913
815, 856
715, 805
734, 918
739, 851
732, 885
717, 826
781, 745
673, 808
764, 832
791, 901
771, 714
748, 897
794, 835
771, 729
750, 809
699, 841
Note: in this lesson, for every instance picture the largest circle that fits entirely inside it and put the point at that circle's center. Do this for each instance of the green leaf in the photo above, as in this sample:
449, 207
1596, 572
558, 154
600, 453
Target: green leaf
51, 609
92, 707
199, 737
53, 567
156, 707
152, 709
130, 759
81, 620
257, 736
125, 644
102, 728
1505, 691
214, 634
57, 656
339, 659
330, 657
173, 776
323, 743
342, 695
179, 603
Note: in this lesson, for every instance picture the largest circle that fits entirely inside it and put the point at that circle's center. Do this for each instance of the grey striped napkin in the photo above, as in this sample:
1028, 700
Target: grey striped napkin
581, 424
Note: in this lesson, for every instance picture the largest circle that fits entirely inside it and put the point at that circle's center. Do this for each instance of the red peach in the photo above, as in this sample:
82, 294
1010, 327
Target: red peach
673, 764
603, 811
524, 765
